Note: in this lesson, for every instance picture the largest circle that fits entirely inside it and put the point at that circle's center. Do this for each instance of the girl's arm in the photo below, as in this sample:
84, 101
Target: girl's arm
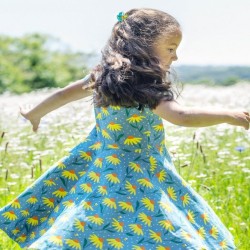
72, 92
195, 117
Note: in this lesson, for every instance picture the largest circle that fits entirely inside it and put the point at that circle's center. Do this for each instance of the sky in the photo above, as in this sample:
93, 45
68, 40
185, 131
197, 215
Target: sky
215, 32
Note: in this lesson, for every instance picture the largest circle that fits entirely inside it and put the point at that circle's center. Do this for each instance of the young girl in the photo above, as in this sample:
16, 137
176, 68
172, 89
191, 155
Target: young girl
119, 188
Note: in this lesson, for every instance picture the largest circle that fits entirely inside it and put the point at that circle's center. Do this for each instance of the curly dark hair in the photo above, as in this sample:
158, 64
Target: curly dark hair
129, 73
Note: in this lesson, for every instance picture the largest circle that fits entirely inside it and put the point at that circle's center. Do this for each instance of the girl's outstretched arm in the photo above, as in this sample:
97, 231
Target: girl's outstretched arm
72, 92
196, 117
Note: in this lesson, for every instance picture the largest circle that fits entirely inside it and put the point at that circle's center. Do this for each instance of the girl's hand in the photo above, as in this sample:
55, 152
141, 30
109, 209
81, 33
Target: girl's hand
35, 121
239, 118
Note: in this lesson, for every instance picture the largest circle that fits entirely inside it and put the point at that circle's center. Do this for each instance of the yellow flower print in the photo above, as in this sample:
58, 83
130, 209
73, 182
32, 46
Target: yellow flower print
147, 133
223, 244
102, 190
153, 164
42, 232
185, 199
70, 174
156, 236
118, 225
97, 127
113, 159
114, 126
25, 213
158, 127
159, 148
10, 215
21, 238
49, 183
99, 116
205, 218
33, 221
138, 247
56, 209
115, 107
186, 235
113, 146
214, 232
146, 219
51, 221
61, 192
131, 140
131, 188
136, 167
201, 232
74, 243
145, 182
149, 204
171, 193
126, 205
82, 173
109, 202
96, 241
165, 206
105, 111
138, 150
69, 203
61, 165
57, 240
161, 176
190, 216
116, 243
96, 219
15, 231
87, 205
105, 134
43, 219
135, 118
16, 204
86, 155
79, 225
98, 162
86, 187
96, 146
162, 248
167, 224
112, 178
136, 228
32, 200
49, 202
32, 235
94, 176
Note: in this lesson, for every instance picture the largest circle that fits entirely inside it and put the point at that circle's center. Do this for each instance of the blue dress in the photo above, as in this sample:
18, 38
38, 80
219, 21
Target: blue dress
118, 189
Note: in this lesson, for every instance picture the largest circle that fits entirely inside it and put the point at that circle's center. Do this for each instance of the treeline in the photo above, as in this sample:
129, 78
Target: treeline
36, 61
213, 75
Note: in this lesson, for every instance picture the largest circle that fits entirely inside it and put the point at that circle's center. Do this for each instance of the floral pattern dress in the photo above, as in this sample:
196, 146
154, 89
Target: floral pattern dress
118, 189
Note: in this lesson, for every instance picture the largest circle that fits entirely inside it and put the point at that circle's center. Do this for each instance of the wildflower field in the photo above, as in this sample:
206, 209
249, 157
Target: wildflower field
214, 160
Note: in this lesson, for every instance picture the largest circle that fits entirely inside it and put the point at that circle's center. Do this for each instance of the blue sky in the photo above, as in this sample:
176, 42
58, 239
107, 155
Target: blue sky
214, 32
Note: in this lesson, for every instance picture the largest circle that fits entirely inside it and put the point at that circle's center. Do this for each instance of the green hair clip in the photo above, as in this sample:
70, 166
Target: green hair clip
121, 16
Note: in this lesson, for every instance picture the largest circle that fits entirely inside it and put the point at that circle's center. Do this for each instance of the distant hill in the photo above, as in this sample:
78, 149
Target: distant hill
222, 75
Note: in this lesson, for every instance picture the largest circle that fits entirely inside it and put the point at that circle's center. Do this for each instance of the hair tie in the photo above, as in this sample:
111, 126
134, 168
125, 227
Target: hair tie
121, 16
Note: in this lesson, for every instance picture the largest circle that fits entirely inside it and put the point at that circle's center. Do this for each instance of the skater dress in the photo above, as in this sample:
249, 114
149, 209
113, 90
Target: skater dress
117, 189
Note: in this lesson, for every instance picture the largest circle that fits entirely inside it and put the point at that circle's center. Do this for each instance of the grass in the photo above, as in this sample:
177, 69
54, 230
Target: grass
207, 158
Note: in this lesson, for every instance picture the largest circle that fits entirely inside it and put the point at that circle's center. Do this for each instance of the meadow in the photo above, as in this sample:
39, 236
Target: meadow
214, 160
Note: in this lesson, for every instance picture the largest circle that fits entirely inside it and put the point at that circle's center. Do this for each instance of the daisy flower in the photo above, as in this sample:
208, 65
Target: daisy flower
118, 225
70, 174
96, 241
131, 140
114, 126
135, 118
116, 243
146, 219
149, 204
156, 236
136, 167
113, 159
136, 228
